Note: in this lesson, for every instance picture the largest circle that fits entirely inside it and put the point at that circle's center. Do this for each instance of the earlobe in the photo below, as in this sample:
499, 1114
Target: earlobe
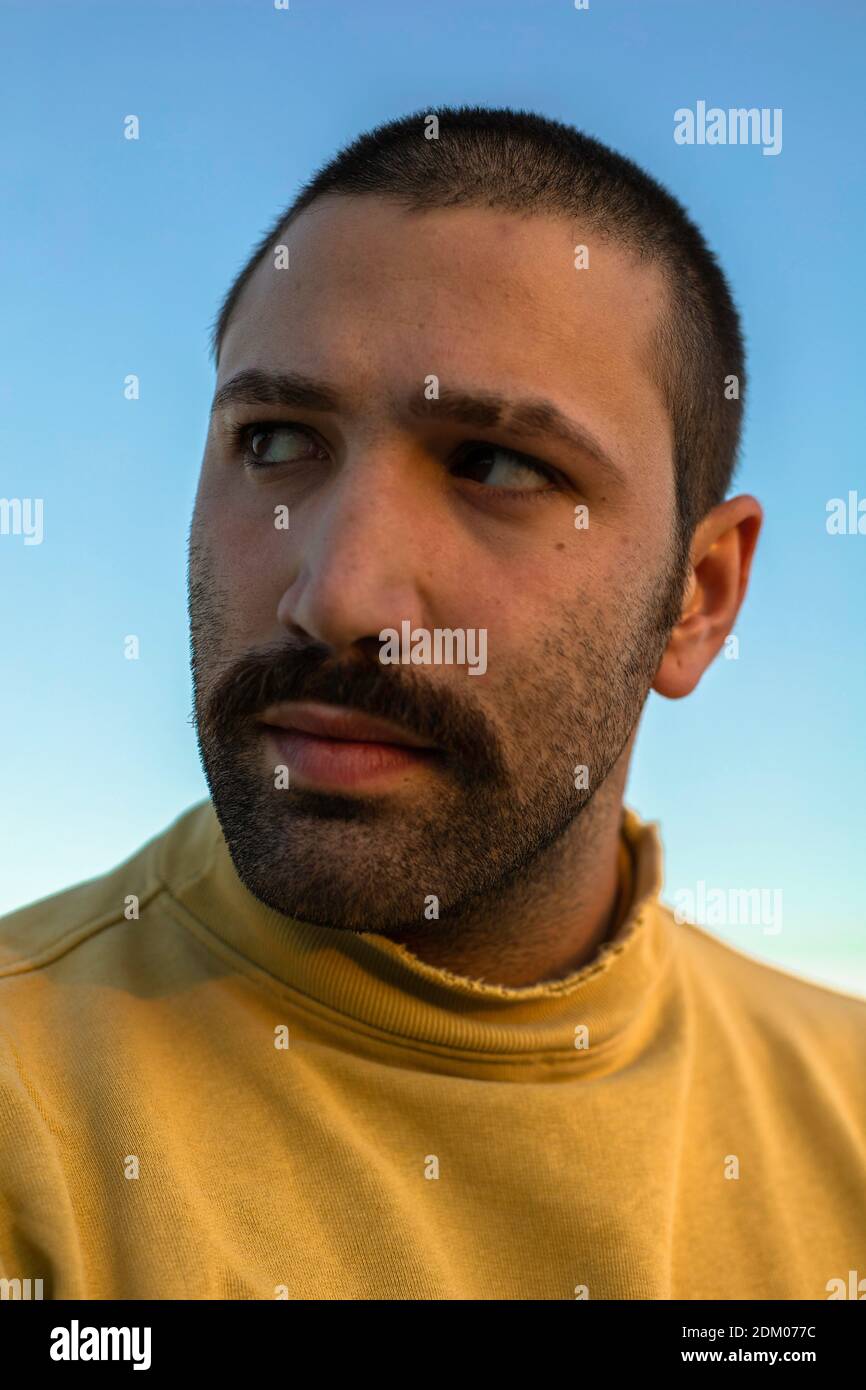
680, 668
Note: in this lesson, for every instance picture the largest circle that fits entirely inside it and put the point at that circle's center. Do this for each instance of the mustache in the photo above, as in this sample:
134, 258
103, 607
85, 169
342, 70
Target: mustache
436, 713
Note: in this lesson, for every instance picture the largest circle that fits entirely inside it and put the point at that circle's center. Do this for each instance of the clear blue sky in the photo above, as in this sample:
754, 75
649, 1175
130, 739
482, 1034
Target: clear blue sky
115, 254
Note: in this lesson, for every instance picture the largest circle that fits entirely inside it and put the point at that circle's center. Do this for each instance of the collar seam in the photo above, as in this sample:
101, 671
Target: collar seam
348, 1023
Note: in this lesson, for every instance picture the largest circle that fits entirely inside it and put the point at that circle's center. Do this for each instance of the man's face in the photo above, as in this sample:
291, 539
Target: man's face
388, 498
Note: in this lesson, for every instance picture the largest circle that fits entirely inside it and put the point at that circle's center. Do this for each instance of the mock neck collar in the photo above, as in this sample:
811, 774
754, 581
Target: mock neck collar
364, 980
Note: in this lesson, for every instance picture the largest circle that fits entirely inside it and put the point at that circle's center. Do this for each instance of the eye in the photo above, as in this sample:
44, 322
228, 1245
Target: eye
503, 470
268, 444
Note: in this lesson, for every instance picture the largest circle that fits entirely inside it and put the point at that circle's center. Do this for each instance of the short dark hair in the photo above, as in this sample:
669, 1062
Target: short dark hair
522, 162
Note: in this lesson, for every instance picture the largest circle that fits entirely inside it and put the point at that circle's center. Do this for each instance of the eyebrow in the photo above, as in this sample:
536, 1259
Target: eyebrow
256, 387
485, 410
532, 415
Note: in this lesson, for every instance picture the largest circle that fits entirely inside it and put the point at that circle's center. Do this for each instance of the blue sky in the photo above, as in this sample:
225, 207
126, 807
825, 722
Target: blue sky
115, 254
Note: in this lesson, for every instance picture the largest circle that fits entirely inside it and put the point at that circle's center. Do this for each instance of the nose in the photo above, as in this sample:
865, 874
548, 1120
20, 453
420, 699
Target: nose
363, 544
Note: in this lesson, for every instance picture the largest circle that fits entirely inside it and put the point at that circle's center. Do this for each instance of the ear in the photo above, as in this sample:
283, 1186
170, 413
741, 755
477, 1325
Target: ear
721, 559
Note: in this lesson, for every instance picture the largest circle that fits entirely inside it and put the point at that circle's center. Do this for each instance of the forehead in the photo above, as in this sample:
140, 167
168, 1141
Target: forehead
376, 298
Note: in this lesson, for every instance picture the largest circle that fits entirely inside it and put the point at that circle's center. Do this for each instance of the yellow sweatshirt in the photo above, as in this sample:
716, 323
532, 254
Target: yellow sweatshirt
200, 1098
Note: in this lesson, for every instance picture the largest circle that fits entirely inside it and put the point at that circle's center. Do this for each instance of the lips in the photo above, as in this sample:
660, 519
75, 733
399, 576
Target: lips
333, 721
328, 747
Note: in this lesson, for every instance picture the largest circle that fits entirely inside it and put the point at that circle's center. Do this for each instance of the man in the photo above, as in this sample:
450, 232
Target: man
398, 1013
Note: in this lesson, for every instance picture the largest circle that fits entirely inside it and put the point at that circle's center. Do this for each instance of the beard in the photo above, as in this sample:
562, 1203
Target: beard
502, 790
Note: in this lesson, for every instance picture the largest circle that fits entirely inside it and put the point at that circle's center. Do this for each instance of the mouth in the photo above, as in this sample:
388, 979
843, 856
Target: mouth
331, 748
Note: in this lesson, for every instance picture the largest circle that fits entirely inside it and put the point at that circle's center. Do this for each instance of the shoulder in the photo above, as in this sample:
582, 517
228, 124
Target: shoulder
72, 966
819, 1026
55, 928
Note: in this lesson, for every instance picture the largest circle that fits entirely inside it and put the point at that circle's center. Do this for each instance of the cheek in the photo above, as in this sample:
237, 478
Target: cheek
238, 524
554, 628
522, 611
230, 512
239, 578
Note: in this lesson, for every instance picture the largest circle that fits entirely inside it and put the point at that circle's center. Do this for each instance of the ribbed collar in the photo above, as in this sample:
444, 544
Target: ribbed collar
362, 979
